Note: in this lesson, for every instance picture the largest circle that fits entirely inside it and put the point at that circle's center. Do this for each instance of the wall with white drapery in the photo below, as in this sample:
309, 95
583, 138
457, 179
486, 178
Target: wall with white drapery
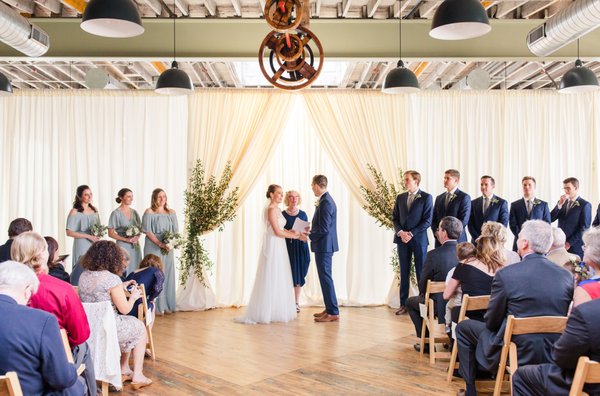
51, 141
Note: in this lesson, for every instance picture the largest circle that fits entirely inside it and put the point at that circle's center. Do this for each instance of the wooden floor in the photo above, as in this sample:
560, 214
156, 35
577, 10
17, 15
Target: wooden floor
370, 351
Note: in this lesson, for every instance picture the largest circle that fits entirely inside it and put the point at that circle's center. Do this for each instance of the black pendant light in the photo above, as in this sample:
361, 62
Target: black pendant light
401, 79
174, 81
579, 78
5, 86
112, 18
459, 20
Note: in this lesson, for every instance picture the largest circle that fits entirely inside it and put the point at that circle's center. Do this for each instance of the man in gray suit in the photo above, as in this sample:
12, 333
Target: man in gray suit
558, 253
534, 287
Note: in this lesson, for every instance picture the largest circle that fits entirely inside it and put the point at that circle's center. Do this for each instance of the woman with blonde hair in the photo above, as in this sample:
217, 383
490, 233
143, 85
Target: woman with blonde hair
499, 233
56, 297
296, 248
475, 275
159, 219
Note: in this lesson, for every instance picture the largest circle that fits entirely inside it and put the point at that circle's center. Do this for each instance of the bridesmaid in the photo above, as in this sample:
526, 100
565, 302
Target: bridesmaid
157, 219
121, 218
81, 218
297, 249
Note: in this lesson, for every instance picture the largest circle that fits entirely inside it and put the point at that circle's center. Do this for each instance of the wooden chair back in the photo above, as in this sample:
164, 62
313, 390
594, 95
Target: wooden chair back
468, 304
9, 385
143, 312
436, 331
520, 326
587, 372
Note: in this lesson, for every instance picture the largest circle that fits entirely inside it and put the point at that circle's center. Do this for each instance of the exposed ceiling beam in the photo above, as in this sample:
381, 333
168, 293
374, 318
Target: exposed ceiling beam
25, 6
533, 7
54, 6
398, 8
77, 5
346, 7
211, 7
506, 7
154, 5
346, 39
183, 7
372, 6
237, 7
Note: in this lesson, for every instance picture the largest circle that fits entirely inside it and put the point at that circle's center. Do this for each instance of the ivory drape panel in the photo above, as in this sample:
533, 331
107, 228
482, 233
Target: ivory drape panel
51, 141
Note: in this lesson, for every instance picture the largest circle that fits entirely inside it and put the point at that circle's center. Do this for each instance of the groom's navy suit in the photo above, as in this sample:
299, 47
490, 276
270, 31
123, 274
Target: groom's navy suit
323, 242
518, 215
416, 220
496, 211
574, 222
459, 206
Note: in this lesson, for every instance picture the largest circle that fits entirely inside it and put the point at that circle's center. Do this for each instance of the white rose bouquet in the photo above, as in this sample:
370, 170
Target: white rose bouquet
98, 230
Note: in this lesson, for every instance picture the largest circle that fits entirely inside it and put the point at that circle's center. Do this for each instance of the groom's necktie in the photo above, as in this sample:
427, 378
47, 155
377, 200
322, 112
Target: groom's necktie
529, 206
409, 202
486, 204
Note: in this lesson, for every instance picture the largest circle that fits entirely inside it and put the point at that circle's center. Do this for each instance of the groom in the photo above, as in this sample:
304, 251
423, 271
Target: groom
323, 242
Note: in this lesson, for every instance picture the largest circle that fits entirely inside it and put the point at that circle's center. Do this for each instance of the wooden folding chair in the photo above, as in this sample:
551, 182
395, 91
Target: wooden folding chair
437, 331
67, 346
9, 384
468, 304
587, 372
519, 326
143, 313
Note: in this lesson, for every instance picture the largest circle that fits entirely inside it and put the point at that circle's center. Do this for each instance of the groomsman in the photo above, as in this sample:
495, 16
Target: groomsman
453, 203
527, 208
412, 217
488, 207
574, 215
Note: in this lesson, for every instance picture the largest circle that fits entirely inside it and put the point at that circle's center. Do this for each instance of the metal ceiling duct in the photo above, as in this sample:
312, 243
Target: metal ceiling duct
579, 18
17, 32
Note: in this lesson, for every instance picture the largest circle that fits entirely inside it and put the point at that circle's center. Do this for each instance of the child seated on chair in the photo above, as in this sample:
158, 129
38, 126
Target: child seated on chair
465, 251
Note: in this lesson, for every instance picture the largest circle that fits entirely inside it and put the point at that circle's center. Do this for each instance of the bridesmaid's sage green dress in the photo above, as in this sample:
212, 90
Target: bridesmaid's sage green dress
158, 223
80, 222
120, 222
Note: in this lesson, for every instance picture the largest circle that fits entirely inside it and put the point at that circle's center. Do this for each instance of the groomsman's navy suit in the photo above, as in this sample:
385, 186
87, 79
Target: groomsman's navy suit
496, 211
459, 207
416, 220
323, 242
518, 215
574, 222
31, 345
596, 221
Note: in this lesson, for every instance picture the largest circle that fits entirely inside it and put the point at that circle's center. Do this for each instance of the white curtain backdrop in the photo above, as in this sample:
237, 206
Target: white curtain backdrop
51, 141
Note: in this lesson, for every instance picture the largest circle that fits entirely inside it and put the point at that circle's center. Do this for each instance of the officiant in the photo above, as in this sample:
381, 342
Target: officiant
297, 249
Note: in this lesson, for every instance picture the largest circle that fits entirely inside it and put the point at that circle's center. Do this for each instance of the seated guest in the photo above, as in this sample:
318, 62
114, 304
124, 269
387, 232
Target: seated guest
465, 252
498, 232
558, 254
475, 276
578, 340
151, 275
16, 227
55, 267
58, 298
590, 289
103, 264
30, 343
533, 287
437, 264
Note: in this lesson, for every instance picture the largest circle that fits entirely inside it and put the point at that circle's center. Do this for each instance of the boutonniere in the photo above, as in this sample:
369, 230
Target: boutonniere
417, 196
494, 201
536, 202
576, 203
452, 196
317, 202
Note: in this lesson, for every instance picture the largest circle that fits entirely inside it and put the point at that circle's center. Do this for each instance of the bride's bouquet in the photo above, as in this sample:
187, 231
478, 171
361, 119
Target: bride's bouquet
173, 240
133, 231
98, 230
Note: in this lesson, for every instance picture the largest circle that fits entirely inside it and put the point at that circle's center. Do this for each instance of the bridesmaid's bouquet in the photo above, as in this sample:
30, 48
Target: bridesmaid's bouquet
98, 230
173, 240
133, 231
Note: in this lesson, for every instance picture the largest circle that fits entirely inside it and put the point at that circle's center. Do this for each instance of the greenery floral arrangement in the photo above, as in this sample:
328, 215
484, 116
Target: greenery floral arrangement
173, 240
133, 231
380, 200
98, 230
209, 204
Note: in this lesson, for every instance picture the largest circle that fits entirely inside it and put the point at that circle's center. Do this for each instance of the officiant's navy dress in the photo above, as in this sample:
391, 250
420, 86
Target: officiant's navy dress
297, 250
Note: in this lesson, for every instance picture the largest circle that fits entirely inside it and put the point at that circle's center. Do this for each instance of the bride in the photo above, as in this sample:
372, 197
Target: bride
272, 298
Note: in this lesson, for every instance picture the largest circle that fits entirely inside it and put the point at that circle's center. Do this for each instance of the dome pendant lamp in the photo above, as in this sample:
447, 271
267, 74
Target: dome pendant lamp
401, 79
459, 20
579, 78
5, 86
112, 18
174, 81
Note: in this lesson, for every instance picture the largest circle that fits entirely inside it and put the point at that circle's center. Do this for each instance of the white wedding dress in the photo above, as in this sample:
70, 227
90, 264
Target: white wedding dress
272, 298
